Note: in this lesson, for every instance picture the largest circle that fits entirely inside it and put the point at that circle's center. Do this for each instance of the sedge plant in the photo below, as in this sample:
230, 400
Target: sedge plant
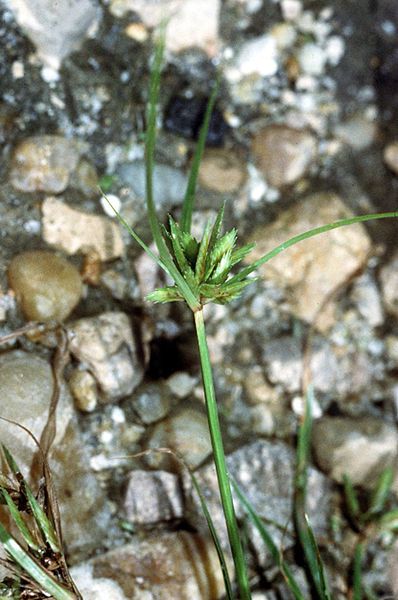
202, 272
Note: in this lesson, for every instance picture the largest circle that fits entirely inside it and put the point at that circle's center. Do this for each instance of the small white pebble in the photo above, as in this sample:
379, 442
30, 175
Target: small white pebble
335, 48
291, 9
49, 75
18, 69
117, 415
106, 436
115, 204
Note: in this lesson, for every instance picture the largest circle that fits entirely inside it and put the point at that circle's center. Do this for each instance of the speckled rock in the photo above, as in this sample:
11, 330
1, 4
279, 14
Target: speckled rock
190, 23
390, 156
44, 163
265, 472
283, 154
152, 497
186, 431
222, 171
26, 384
311, 270
164, 566
360, 447
46, 285
107, 346
389, 285
74, 231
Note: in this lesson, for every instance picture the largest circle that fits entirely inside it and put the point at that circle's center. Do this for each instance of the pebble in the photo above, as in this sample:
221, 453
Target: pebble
358, 132
367, 298
184, 116
151, 402
283, 154
181, 384
311, 270
312, 59
222, 171
360, 447
389, 285
163, 566
186, 432
106, 345
190, 23
26, 384
55, 30
74, 231
152, 497
47, 286
84, 389
258, 56
390, 155
44, 163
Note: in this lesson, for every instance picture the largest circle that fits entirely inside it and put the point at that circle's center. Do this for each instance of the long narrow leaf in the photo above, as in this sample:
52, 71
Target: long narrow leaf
189, 199
268, 541
150, 140
40, 575
380, 494
357, 573
306, 235
20, 523
351, 498
42, 520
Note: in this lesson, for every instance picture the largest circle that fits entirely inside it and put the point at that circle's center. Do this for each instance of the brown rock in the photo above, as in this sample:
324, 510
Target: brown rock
47, 286
390, 156
283, 154
311, 270
222, 171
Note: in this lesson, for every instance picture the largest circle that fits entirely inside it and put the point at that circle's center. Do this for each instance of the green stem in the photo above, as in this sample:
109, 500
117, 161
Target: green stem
219, 459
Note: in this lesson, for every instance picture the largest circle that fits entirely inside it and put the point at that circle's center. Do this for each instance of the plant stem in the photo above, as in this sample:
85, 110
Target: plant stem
219, 459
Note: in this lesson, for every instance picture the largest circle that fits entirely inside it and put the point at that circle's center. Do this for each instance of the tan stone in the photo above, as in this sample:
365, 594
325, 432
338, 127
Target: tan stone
222, 171
75, 232
46, 285
390, 156
311, 270
389, 285
283, 154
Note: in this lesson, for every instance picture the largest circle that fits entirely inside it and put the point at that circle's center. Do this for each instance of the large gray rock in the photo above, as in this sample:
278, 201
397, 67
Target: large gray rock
152, 497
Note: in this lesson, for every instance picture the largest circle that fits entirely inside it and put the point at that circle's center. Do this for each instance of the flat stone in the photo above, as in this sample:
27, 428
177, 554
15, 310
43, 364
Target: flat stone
74, 231
84, 389
151, 402
186, 432
55, 29
44, 163
311, 270
360, 447
93, 588
283, 154
164, 566
152, 497
190, 23
105, 344
222, 171
389, 285
47, 286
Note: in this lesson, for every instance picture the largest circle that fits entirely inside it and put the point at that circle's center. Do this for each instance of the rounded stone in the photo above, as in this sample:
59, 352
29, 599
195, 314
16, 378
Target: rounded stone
283, 154
47, 286
222, 171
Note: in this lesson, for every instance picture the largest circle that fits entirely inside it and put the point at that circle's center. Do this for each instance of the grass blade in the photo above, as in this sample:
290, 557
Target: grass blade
267, 539
306, 235
351, 498
357, 573
189, 199
380, 494
42, 520
215, 538
304, 531
41, 577
20, 523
